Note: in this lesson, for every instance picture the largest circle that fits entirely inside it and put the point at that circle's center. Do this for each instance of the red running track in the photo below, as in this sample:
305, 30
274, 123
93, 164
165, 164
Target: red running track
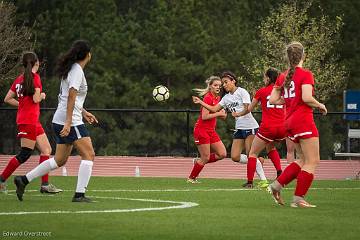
180, 167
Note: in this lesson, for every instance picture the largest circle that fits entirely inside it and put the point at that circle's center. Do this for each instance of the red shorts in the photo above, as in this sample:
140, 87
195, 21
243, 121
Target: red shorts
271, 134
30, 131
205, 136
299, 128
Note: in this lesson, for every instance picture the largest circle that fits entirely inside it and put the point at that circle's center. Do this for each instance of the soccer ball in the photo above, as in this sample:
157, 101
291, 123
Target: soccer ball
161, 93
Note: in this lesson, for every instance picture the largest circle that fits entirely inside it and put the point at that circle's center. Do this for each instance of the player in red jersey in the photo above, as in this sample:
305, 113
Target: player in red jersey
295, 88
28, 89
208, 142
271, 129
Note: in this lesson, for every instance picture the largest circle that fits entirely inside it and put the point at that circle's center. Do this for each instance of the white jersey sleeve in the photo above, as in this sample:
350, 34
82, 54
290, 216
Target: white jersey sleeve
245, 96
75, 78
235, 103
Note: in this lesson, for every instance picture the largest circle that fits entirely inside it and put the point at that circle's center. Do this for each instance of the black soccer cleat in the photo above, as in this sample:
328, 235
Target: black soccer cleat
20, 187
248, 185
82, 199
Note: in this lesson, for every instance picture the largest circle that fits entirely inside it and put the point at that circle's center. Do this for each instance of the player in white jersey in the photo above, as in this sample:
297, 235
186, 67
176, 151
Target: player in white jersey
237, 101
68, 125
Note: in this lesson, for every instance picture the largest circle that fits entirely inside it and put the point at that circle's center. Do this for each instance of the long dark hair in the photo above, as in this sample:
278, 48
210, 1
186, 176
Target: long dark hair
230, 75
28, 61
294, 54
272, 74
78, 51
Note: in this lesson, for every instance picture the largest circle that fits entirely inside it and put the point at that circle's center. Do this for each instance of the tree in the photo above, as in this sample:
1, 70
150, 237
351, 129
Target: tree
13, 41
292, 22
319, 35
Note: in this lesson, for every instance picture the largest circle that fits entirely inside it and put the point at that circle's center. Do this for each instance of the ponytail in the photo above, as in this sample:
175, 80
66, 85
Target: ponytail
294, 53
202, 91
272, 74
28, 61
78, 51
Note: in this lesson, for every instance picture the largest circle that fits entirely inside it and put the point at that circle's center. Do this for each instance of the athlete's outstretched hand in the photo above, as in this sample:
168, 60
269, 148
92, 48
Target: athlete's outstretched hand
196, 99
89, 117
322, 109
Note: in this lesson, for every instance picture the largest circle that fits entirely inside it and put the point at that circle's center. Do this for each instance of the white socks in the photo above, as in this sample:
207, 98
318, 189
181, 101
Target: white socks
84, 175
42, 169
260, 170
243, 159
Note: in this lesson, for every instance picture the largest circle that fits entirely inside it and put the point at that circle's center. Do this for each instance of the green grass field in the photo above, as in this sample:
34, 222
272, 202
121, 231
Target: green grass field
224, 211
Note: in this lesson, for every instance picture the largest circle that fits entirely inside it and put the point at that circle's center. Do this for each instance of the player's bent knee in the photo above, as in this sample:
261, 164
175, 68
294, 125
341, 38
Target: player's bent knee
46, 151
89, 156
235, 158
222, 155
24, 154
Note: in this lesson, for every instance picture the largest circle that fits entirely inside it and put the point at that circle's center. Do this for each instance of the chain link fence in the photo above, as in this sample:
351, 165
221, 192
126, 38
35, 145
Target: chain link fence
158, 132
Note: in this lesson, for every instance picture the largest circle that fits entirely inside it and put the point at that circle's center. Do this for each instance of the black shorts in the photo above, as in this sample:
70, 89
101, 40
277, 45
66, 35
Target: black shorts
76, 132
244, 133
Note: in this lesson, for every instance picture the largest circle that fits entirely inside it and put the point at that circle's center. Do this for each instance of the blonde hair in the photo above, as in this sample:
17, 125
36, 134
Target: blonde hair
294, 54
202, 91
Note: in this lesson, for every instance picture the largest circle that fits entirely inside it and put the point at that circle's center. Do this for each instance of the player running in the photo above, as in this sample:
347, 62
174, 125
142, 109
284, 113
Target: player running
28, 89
272, 128
70, 130
295, 88
208, 142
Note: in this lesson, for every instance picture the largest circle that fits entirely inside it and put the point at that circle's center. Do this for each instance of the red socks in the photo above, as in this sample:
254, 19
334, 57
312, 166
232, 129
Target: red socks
289, 174
45, 178
304, 180
251, 168
196, 170
10, 168
212, 158
275, 159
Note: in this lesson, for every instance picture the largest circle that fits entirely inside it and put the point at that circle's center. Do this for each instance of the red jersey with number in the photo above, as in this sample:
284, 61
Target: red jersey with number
28, 111
293, 95
272, 115
212, 100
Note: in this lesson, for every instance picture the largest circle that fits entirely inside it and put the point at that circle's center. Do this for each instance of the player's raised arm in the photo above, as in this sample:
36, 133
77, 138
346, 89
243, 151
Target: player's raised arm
215, 108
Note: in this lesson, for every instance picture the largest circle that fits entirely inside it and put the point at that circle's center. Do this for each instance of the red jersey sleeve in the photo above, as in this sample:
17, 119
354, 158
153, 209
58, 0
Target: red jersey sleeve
13, 87
308, 78
37, 81
280, 81
258, 94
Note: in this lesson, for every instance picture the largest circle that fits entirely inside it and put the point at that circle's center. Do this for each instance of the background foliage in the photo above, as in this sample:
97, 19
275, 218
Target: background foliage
140, 44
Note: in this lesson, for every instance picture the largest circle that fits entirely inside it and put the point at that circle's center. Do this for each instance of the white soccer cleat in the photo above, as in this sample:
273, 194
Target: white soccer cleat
302, 204
192, 181
50, 189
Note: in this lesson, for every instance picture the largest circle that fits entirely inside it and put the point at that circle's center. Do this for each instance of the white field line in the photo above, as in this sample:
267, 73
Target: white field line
194, 190
180, 206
